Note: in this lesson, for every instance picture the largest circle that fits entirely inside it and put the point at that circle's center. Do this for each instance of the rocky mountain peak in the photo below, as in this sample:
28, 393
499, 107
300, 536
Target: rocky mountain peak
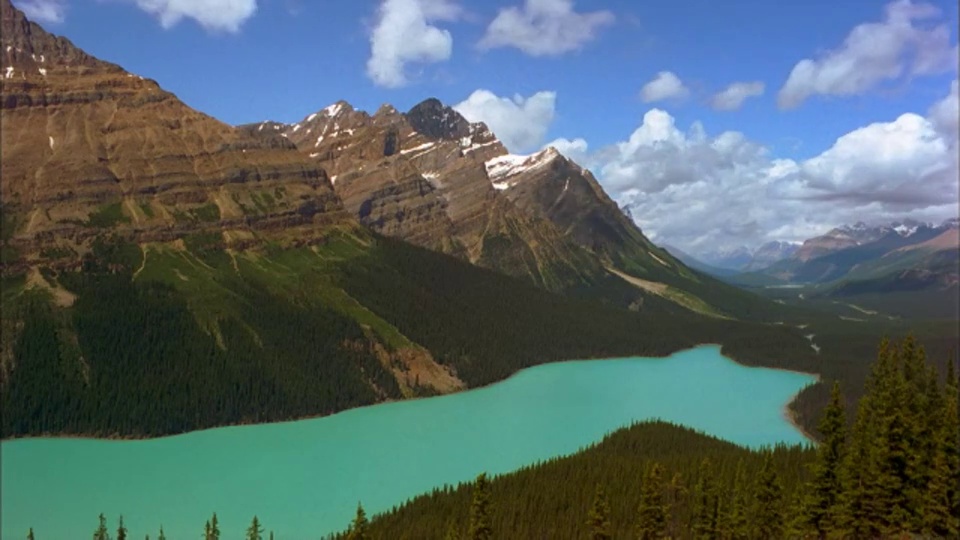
29, 51
433, 119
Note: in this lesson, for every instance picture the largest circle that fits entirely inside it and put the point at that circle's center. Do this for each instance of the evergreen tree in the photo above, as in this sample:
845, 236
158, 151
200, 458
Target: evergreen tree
652, 522
598, 520
950, 439
358, 529
822, 502
255, 530
161, 536
737, 519
944, 448
207, 535
706, 504
30, 534
101, 532
452, 532
861, 509
768, 515
480, 528
214, 527
121, 530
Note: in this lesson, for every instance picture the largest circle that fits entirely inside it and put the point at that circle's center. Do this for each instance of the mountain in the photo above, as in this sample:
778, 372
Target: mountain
697, 264
906, 268
88, 147
770, 253
164, 272
432, 178
421, 177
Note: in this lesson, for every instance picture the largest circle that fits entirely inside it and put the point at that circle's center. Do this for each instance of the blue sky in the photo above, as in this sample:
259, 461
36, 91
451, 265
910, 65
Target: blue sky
250, 60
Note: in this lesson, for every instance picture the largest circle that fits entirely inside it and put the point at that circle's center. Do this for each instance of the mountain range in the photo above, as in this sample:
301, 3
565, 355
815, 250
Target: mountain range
276, 271
905, 261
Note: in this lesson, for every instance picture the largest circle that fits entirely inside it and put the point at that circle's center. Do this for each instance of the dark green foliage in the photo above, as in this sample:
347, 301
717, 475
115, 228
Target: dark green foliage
209, 213
706, 504
161, 536
480, 511
121, 530
139, 339
358, 529
101, 531
255, 530
822, 502
107, 216
553, 499
652, 515
598, 520
30, 534
768, 515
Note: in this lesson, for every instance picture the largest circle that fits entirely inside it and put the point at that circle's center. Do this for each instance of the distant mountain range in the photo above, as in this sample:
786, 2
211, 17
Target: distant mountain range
907, 260
740, 259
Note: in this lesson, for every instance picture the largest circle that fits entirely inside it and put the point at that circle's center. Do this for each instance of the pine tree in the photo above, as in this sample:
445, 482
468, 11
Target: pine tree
214, 527
738, 518
30, 534
255, 530
358, 529
860, 514
652, 520
950, 439
706, 504
598, 520
768, 513
101, 532
121, 530
937, 517
822, 502
161, 536
452, 532
480, 528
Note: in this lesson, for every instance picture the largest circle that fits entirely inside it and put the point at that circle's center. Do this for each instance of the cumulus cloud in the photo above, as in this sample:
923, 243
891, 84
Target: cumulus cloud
910, 41
544, 28
213, 15
404, 33
520, 123
945, 114
704, 192
666, 85
733, 96
43, 11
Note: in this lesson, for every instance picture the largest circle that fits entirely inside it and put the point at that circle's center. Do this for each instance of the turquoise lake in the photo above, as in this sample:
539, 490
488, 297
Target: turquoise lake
304, 478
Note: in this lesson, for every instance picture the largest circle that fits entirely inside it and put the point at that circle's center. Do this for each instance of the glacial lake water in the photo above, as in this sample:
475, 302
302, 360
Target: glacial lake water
304, 478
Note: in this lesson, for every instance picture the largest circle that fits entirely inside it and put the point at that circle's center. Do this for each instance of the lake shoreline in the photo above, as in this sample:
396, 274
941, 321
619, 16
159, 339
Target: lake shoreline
787, 411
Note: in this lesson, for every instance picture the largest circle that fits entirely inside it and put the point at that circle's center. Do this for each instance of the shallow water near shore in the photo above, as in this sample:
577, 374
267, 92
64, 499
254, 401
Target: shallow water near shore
304, 478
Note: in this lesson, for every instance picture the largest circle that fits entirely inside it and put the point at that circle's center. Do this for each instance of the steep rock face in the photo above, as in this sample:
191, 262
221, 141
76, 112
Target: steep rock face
422, 177
87, 146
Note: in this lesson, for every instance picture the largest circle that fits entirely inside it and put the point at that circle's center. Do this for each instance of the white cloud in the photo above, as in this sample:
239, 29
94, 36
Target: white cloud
666, 85
520, 123
576, 150
544, 28
213, 15
905, 43
44, 11
404, 34
945, 114
733, 96
703, 192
